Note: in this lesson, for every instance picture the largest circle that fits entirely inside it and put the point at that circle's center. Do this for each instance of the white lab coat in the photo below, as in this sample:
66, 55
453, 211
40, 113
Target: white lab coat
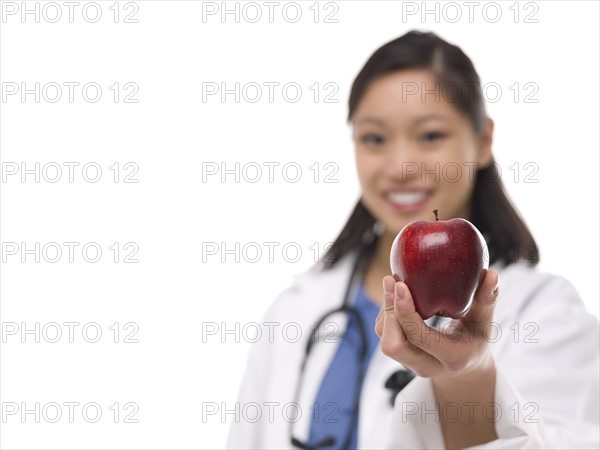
547, 392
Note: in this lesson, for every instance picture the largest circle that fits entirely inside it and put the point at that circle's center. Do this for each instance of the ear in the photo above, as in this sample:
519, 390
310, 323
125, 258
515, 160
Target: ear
484, 150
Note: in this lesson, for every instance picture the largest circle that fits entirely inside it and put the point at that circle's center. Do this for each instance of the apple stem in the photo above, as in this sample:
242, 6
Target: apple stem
435, 211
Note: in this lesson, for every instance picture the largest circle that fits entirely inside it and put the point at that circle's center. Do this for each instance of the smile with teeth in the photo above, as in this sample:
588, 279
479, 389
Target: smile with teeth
408, 198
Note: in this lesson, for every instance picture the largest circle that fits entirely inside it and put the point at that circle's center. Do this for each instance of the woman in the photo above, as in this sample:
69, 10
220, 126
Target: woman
520, 370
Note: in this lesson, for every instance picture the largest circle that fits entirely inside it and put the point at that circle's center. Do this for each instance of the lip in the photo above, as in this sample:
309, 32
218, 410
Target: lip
408, 208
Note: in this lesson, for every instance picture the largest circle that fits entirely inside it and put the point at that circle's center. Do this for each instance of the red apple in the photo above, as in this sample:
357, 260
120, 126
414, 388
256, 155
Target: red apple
442, 262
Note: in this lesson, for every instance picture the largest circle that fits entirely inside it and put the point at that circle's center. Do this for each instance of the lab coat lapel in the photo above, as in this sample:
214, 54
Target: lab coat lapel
320, 294
375, 410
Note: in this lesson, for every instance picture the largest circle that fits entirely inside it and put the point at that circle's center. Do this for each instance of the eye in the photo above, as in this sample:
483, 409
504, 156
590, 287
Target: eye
432, 136
372, 138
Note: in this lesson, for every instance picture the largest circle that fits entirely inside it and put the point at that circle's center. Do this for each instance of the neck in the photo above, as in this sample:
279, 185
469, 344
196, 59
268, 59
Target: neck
381, 258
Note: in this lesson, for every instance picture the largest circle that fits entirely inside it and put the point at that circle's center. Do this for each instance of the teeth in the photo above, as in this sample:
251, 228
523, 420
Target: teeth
407, 198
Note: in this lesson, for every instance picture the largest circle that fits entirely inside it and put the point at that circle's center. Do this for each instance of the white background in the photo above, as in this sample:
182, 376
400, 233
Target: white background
171, 293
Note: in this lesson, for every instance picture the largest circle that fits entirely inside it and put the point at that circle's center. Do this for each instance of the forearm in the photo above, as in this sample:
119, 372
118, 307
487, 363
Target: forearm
464, 399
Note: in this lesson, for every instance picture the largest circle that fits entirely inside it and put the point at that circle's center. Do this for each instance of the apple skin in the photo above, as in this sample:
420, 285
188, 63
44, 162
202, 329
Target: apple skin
442, 262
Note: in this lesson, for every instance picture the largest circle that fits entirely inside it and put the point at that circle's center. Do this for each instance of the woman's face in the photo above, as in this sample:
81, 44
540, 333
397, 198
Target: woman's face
415, 154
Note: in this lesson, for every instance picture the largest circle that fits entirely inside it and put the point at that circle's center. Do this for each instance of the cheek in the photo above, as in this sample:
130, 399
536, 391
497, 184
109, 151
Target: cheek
454, 173
366, 168
458, 164
457, 178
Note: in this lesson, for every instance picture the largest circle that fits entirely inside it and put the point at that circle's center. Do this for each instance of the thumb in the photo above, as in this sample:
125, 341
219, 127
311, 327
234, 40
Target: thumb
486, 296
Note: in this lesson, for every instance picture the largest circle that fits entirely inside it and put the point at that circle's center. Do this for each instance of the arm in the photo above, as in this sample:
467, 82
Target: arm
545, 393
458, 360
551, 367
459, 396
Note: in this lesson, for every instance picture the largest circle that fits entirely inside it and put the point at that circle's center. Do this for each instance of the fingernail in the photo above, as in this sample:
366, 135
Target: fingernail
497, 285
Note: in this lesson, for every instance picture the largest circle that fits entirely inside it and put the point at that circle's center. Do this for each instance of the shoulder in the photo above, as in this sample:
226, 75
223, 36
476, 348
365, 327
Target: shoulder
527, 290
527, 280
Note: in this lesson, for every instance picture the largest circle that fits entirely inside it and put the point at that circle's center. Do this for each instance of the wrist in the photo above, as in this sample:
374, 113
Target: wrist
484, 369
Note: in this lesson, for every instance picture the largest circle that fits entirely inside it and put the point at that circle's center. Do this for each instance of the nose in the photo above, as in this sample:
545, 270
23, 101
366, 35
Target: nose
402, 164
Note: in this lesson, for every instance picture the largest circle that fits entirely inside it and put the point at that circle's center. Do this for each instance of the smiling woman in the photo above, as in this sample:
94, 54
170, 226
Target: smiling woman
423, 142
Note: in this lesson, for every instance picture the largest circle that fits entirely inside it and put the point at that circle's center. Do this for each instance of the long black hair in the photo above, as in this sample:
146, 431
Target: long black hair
508, 238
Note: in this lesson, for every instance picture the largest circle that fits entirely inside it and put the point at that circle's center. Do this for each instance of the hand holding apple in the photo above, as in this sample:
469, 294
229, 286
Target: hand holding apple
458, 359
459, 348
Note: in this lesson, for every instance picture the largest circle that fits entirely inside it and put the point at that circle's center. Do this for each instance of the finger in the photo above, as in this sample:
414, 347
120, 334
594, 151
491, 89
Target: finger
380, 314
391, 329
379, 322
486, 296
429, 340
415, 329
411, 322
379, 319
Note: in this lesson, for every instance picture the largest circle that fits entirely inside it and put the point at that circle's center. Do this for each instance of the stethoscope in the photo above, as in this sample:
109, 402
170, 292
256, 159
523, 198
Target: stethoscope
395, 383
